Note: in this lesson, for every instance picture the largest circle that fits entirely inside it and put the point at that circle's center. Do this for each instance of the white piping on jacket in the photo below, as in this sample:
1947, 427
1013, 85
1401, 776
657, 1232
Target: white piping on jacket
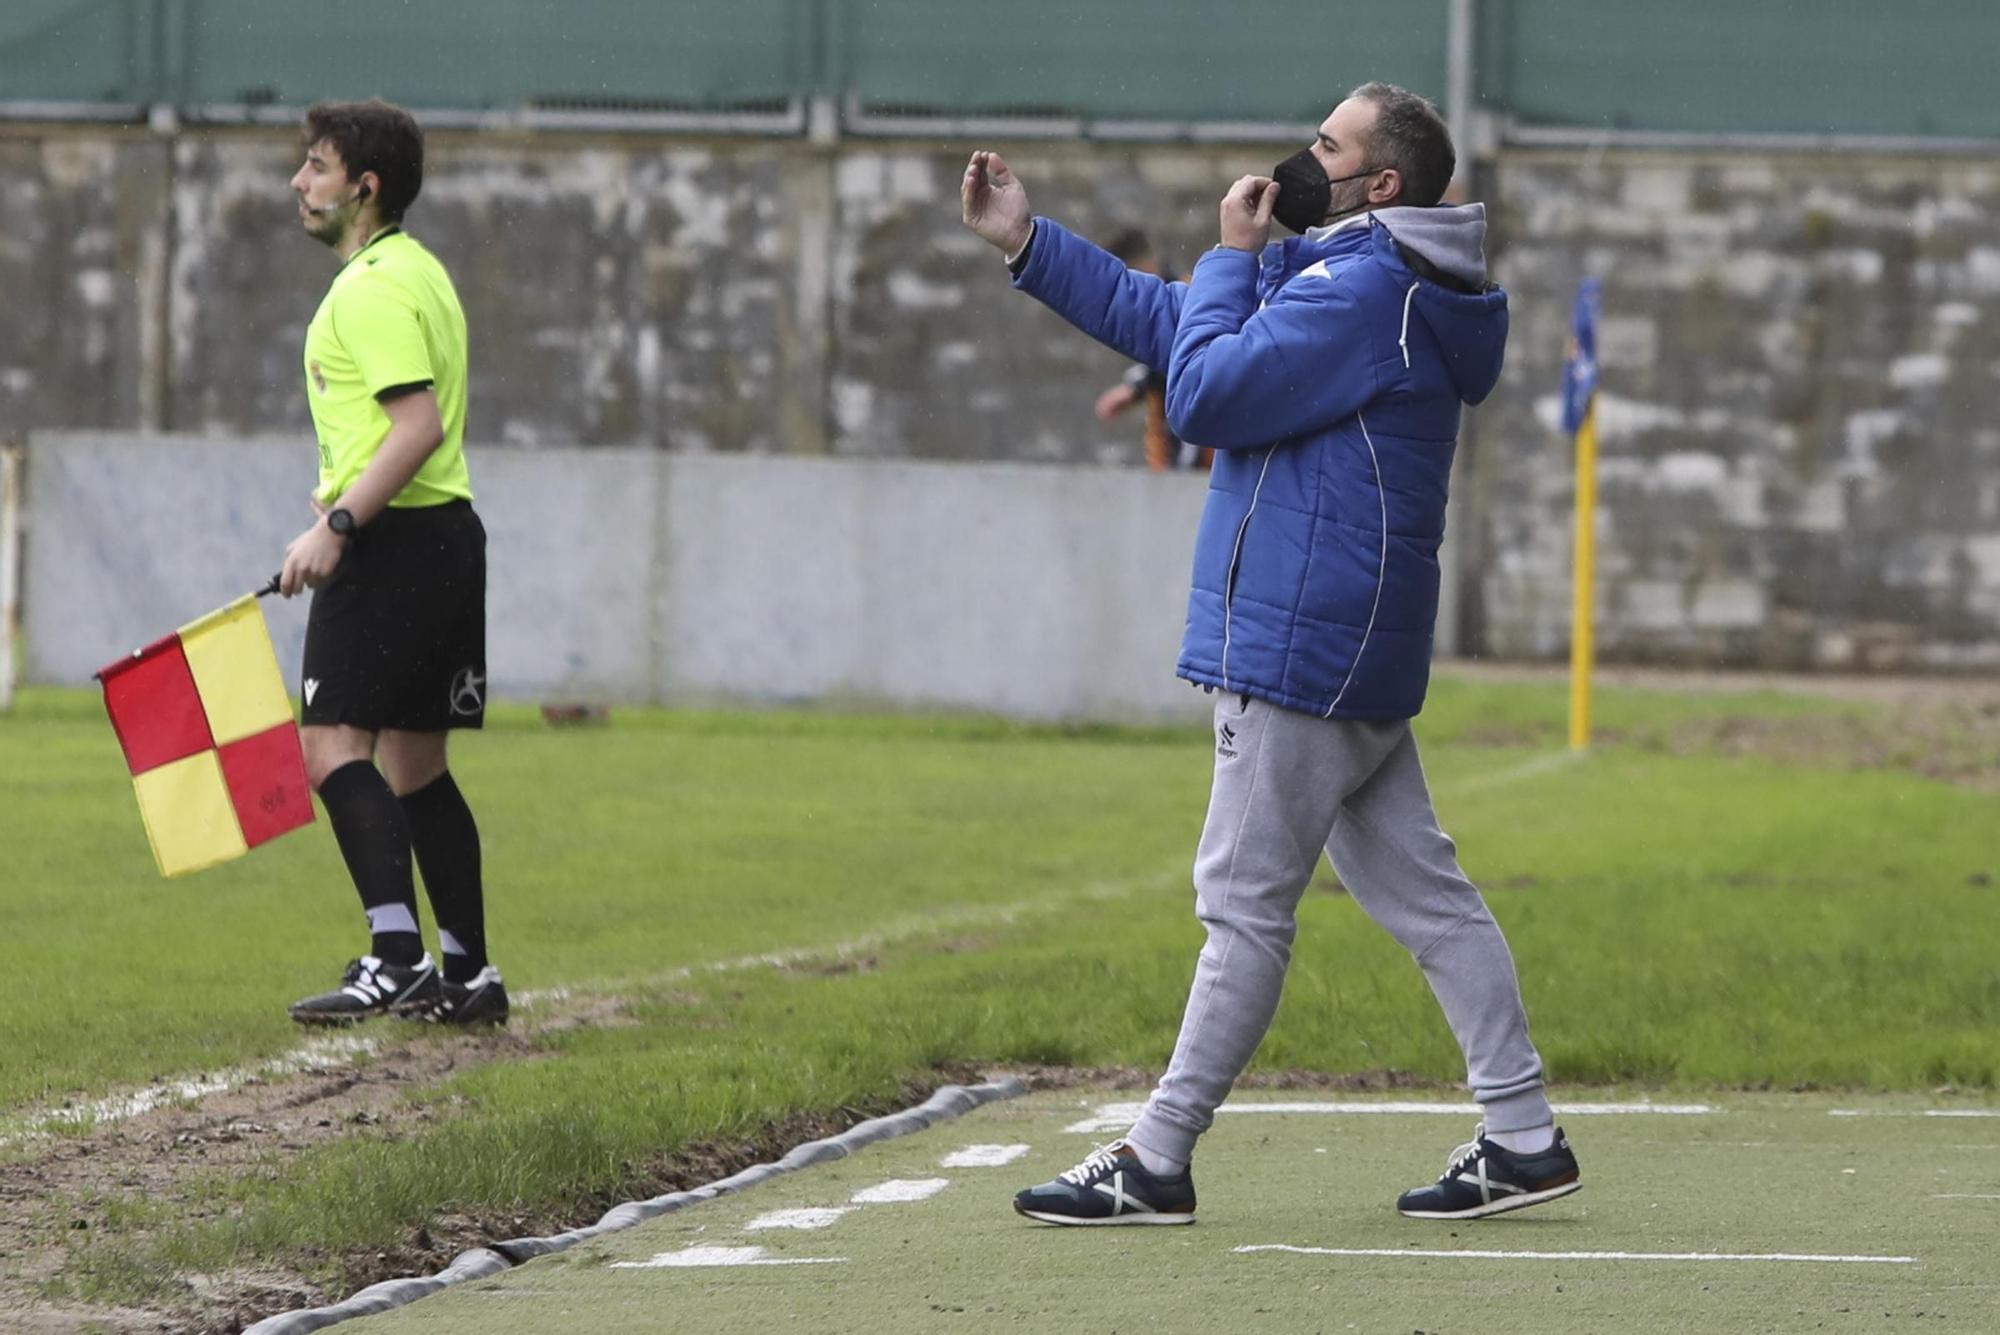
1404, 341
1381, 568
1229, 580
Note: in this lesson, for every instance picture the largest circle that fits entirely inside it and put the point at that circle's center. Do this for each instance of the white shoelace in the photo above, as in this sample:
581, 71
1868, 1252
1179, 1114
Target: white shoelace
1465, 1153
1101, 1159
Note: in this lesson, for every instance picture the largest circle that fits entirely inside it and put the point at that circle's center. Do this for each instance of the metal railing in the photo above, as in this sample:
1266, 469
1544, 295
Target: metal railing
1798, 73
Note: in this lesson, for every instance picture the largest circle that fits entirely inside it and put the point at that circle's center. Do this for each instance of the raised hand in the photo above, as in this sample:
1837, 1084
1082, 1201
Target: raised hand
1246, 213
994, 203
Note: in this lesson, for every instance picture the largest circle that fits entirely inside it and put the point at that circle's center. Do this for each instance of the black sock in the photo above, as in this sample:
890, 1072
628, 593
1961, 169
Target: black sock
368, 824
446, 840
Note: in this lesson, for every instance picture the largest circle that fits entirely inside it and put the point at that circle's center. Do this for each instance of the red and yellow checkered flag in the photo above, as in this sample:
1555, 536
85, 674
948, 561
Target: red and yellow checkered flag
209, 736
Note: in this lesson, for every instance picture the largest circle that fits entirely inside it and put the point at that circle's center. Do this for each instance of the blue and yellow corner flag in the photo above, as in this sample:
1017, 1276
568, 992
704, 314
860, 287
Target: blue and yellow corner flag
1580, 421
1580, 366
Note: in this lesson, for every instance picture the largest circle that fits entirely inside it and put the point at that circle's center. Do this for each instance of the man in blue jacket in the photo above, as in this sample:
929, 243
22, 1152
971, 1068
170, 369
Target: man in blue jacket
1326, 372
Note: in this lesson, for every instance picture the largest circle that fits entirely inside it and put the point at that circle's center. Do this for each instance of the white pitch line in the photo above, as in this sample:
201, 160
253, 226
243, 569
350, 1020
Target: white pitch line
983, 1156
1967, 1196
320, 1054
901, 1191
693, 1257
1581, 1256
1116, 1116
893, 932
1533, 767
1900, 1112
808, 1217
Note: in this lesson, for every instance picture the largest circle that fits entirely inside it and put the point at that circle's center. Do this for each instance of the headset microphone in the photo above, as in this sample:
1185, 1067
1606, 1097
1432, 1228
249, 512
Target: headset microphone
340, 204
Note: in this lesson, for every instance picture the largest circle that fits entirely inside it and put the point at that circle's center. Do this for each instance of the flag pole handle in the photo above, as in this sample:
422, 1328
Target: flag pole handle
270, 588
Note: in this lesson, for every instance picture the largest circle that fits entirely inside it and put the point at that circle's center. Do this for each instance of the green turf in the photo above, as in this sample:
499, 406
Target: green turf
1769, 1174
1016, 895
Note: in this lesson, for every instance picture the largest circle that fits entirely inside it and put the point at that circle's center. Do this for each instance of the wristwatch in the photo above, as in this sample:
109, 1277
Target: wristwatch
341, 522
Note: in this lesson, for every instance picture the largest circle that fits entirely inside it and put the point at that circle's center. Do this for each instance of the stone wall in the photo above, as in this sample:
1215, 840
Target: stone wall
1800, 460
1797, 467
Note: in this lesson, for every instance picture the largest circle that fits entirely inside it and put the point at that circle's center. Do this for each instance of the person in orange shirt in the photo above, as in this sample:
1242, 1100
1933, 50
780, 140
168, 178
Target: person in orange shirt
1164, 450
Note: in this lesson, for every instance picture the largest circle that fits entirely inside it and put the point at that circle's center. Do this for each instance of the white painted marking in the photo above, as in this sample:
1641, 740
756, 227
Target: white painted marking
983, 1156
1967, 1196
320, 1054
1928, 1112
1963, 1112
1582, 1256
896, 930
901, 1191
807, 1218
1531, 768
693, 1257
1117, 1116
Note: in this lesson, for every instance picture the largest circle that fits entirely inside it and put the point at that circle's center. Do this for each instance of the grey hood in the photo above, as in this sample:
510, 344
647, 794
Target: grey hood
1453, 238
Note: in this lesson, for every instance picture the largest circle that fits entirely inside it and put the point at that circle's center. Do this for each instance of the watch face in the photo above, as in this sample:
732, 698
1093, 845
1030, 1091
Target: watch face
341, 522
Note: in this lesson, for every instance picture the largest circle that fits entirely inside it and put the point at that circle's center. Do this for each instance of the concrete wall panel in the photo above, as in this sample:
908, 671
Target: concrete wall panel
632, 575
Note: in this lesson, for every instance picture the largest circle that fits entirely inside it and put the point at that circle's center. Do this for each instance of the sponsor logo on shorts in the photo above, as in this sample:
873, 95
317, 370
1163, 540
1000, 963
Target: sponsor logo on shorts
468, 692
312, 688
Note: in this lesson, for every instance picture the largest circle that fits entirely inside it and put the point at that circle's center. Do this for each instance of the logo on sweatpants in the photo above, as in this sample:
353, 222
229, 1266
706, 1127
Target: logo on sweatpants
1225, 742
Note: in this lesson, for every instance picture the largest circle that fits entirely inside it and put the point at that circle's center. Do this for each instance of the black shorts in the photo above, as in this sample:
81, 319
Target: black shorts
397, 638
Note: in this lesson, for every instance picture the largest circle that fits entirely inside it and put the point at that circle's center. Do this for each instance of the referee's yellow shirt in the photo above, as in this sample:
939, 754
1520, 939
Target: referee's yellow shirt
391, 320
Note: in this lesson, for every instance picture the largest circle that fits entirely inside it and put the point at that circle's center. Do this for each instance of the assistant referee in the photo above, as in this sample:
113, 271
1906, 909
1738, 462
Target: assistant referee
395, 653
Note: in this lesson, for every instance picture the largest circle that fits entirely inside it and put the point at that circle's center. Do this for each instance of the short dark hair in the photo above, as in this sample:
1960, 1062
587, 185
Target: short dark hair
373, 136
1410, 136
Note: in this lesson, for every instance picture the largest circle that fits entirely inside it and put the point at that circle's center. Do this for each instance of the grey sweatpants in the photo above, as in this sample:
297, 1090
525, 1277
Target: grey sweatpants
1287, 785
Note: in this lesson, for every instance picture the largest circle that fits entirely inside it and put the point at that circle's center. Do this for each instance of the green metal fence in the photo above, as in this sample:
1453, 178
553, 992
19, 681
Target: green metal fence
1175, 60
1865, 67
1703, 67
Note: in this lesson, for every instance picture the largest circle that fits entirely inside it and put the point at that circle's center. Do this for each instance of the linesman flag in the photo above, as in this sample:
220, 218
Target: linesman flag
209, 736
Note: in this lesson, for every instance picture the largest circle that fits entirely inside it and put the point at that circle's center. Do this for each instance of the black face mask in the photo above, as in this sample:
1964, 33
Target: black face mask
1305, 191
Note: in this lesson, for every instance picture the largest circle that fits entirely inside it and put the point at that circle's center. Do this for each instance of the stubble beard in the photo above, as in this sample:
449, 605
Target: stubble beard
326, 231
1348, 198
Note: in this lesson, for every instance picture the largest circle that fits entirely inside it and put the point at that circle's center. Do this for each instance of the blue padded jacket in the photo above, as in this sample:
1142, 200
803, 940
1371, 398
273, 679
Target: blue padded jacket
1327, 375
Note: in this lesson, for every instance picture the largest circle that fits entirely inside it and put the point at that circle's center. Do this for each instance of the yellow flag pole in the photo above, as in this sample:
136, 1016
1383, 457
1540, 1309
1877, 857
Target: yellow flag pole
1582, 642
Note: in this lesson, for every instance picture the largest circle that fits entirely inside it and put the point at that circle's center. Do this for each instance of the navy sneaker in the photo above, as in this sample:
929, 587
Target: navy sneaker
1485, 1179
1110, 1187
374, 987
481, 1001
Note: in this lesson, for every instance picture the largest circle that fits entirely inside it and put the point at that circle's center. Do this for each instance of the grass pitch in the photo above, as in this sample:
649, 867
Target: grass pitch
1889, 1216
1688, 913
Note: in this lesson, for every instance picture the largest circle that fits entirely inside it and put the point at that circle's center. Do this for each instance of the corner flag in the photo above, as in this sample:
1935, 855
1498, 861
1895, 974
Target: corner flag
209, 737
1580, 362
1579, 417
